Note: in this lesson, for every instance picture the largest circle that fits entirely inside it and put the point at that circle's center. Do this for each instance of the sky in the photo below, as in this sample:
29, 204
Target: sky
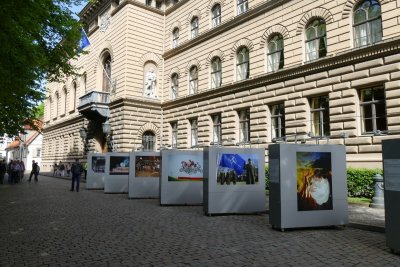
77, 9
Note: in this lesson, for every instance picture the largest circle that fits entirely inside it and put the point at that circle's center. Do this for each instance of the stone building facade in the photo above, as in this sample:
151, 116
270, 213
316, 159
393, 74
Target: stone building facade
188, 74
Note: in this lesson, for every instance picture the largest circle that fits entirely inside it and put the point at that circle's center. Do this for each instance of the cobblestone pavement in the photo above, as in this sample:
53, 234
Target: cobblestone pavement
44, 224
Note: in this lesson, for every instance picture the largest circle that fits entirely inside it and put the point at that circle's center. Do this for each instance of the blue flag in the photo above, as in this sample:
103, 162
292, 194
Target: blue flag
233, 161
84, 42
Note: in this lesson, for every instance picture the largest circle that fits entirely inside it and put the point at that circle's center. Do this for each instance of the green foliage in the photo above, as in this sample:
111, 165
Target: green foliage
38, 40
39, 111
266, 177
360, 182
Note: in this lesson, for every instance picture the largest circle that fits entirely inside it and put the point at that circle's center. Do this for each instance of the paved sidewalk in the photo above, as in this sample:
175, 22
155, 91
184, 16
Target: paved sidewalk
44, 224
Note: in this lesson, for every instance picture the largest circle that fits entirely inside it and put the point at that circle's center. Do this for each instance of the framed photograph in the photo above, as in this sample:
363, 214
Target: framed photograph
185, 167
119, 165
233, 169
314, 181
147, 166
98, 164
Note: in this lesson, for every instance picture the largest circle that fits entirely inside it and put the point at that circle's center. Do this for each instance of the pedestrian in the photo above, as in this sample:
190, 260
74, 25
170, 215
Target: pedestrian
76, 170
35, 171
9, 171
85, 165
15, 170
55, 169
62, 169
68, 167
3, 169
22, 171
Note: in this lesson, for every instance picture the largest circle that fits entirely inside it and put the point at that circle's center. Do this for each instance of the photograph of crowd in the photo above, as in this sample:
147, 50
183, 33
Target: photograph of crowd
235, 169
314, 181
98, 164
147, 166
119, 165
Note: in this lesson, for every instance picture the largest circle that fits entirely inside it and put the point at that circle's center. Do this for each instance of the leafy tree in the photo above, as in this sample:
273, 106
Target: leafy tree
39, 111
38, 39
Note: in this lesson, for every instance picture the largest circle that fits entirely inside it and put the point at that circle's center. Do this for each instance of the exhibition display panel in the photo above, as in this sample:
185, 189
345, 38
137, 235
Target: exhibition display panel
96, 171
308, 185
234, 180
181, 180
391, 173
117, 170
145, 173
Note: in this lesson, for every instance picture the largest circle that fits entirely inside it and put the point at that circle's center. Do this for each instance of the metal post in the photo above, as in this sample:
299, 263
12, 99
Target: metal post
378, 199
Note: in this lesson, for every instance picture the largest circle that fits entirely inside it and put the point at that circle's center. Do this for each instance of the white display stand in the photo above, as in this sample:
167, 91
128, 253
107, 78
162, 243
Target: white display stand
308, 186
117, 170
96, 171
145, 172
181, 177
234, 180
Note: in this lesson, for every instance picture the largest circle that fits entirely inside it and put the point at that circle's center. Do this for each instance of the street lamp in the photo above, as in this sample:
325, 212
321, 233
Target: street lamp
106, 128
83, 133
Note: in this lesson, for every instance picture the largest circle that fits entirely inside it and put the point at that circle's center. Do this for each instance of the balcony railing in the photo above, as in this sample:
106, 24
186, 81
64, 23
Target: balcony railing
94, 97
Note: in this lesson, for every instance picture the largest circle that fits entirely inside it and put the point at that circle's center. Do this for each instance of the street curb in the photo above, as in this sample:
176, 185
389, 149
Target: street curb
366, 227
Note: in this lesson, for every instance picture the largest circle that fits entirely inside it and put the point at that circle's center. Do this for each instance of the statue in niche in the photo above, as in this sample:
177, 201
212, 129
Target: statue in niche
150, 84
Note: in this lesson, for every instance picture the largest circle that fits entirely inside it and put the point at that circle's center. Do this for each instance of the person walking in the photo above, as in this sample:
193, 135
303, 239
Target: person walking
22, 170
68, 167
35, 171
62, 169
3, 169
76, 170
85, 165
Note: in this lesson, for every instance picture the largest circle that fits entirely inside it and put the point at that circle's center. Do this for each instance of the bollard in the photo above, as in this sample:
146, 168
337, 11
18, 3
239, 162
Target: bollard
378, 199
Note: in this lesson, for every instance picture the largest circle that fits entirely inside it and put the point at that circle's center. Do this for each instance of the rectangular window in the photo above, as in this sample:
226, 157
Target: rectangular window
38, 152
320, 116
174, 134
242, 6
217, 133
244, 126
193, 132
373, 110
278, 121
148, 2
158, 5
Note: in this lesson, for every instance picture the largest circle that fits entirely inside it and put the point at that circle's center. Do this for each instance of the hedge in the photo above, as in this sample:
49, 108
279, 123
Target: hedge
360, 181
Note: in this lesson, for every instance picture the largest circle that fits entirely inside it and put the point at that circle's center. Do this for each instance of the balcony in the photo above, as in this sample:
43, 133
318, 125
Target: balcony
94, 105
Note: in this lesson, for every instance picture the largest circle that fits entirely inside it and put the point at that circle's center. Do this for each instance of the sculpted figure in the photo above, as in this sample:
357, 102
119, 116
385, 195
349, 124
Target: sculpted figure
150, 84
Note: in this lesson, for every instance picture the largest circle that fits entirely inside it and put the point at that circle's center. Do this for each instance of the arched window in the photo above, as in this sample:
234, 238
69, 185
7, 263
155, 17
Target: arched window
107, 73
193, 80
242, 6
174, 86
175, 37
242, 64
367, 23
148, 141
216, 72
216, 15
194, 26
65, 95
316, 40
84, 80
275, 56
57, 99
74, 88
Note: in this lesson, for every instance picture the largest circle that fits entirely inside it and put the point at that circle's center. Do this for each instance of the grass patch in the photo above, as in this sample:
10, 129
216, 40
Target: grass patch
359, 200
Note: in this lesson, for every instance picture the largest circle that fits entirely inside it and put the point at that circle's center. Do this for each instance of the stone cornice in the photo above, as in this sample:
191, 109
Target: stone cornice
134, 102
254, 11
385, 48
175, 7
62, 124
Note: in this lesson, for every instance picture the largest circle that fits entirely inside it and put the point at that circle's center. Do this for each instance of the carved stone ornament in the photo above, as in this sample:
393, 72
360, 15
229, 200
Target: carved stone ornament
150, 84
105, 22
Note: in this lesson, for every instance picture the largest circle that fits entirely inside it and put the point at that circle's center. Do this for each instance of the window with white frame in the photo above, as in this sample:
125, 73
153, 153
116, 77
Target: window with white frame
373, 110
193, 80
217, 133
319, 108
242, 64
174, 86
194, 27
216, 15
367, 21
216, 72
175, 37
278, 121
316, 46
242, 6
193, 132
275, 56
107, 73
244, 126
148, 141
174, 134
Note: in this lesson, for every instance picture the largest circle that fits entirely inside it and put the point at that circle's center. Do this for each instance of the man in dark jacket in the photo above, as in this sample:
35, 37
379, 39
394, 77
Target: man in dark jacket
76, 170
34, 171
